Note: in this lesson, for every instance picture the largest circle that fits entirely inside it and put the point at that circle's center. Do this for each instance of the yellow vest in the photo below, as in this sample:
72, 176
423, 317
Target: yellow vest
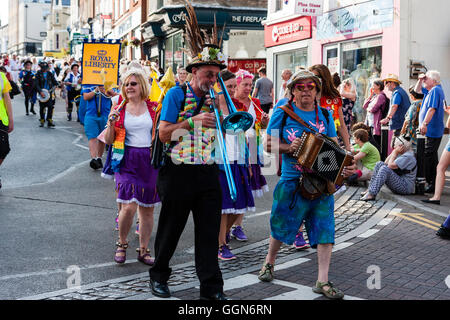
3, 113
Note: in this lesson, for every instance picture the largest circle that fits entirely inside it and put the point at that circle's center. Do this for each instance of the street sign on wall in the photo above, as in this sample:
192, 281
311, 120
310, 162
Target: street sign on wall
309, 7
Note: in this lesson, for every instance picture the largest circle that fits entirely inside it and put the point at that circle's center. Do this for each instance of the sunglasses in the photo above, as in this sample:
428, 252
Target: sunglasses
132, 83
303, 86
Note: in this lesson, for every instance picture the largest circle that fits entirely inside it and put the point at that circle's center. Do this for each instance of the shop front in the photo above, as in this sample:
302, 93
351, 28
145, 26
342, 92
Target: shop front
287, 44
358, 43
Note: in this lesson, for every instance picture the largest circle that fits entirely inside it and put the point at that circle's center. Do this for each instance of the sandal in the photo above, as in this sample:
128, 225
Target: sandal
145, 258
266, 273
123, 249
331, 293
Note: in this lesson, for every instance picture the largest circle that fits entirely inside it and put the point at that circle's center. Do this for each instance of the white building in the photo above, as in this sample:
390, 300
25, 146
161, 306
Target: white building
353, 36
27, 26
4, 36
57, 34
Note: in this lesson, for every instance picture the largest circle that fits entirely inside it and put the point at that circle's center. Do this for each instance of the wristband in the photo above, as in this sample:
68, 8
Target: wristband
191, 123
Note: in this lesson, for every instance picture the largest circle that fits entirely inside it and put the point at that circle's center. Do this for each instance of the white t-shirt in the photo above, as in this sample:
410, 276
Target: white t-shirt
138, 130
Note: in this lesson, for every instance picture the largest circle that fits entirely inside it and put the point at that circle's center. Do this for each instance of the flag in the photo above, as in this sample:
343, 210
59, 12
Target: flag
155, 89
167, 82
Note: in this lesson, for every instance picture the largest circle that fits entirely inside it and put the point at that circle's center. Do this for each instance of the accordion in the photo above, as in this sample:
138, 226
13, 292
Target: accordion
323, 156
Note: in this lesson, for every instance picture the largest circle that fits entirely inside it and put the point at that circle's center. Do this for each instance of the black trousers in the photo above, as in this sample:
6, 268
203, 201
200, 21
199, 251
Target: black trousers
4, 141
182, 189
431, 159
71, 95
49, 105
266, 107
28, 99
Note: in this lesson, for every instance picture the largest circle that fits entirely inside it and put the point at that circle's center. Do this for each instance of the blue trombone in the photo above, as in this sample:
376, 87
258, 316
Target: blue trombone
223, 148
236, 121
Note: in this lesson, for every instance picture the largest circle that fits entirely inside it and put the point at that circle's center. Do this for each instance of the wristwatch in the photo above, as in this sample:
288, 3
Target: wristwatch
425, 124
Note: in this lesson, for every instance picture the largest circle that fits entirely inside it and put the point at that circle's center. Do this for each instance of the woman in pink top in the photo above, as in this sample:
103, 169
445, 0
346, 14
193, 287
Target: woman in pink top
375, 105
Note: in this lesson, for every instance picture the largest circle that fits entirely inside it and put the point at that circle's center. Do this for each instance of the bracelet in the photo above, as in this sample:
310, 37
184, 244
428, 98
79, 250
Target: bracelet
191, 123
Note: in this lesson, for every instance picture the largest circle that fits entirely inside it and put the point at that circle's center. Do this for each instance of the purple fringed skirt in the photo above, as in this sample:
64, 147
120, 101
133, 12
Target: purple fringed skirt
244, 197
136, 180
258, 182
107, 171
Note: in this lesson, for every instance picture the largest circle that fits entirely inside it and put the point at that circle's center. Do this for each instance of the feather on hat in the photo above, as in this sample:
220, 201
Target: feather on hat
203, 48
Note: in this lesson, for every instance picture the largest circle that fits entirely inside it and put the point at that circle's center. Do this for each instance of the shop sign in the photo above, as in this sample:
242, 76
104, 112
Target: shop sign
309, 7
367, 16
78, 38
251, 65
287, 31
232, 19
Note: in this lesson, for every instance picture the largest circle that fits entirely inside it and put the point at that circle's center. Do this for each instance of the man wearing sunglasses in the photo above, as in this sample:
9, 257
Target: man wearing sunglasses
98, 106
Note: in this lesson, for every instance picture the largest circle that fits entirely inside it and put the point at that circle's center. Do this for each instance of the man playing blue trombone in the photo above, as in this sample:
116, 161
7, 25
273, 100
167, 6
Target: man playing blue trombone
189, 179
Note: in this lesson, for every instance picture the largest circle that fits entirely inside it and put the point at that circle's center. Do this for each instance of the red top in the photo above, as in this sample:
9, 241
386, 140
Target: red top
242, 107
331, 104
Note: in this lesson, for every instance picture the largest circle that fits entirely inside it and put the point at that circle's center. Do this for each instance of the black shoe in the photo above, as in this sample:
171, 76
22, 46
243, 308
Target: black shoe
50, 124
99, 163
430, 189
94, 164
32, 111
215, 297
69, 117
159, 289
27, 114
41, 124
443, 232
438, 202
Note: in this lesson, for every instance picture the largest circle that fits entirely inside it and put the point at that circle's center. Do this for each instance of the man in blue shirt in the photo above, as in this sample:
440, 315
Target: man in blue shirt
400, 104
98, 106
431, 122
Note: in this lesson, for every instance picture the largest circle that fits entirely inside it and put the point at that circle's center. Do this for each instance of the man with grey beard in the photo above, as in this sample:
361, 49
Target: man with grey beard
189, 181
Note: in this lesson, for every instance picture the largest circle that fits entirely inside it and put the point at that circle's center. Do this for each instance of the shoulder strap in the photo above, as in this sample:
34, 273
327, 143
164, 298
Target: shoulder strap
184, 87
325, 114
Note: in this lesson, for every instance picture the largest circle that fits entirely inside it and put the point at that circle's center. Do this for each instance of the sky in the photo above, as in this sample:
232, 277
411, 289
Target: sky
4, 13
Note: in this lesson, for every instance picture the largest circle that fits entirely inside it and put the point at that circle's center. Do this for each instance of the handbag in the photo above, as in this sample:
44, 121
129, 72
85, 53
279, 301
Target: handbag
312, 186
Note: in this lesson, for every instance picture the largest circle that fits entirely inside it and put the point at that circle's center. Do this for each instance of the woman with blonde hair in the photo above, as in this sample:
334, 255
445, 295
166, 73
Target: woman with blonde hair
129, 131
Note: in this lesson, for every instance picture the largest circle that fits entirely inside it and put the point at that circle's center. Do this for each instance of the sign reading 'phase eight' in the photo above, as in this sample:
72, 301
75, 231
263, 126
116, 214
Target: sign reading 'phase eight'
100, 59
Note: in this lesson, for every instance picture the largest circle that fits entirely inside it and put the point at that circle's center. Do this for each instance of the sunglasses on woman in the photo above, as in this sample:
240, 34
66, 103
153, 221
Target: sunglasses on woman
132, 83
303, 86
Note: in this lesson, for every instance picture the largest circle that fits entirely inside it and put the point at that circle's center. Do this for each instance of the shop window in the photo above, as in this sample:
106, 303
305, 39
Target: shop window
292, 60
359, 61
174, 55
278, 5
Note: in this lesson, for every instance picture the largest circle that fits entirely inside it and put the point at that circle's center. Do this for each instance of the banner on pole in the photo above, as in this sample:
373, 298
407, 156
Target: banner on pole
100, 62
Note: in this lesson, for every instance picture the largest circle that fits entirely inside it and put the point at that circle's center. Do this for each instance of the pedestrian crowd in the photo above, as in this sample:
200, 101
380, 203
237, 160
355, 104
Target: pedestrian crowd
189, 176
